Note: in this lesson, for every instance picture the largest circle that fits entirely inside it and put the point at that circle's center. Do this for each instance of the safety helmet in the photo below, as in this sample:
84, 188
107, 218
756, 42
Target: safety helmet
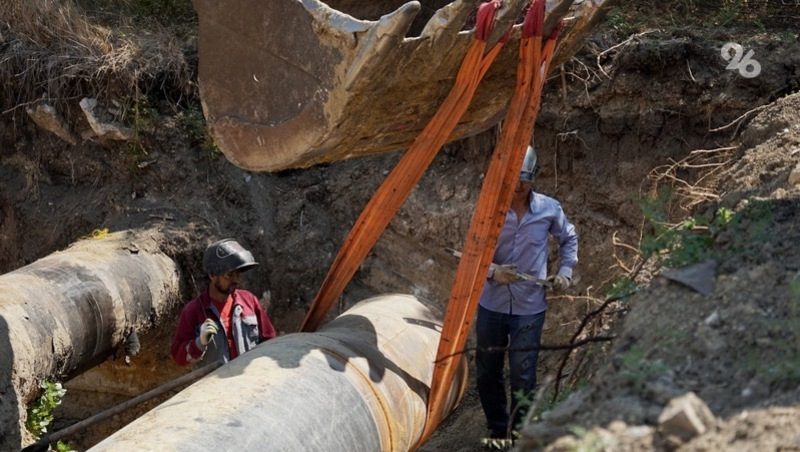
529, 166
227, 255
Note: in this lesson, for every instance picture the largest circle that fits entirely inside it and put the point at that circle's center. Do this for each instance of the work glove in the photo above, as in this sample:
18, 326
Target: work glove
505, 274
560, 282
207, 330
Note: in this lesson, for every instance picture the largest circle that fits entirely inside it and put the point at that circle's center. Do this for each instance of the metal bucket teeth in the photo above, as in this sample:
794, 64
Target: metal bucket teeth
292, 83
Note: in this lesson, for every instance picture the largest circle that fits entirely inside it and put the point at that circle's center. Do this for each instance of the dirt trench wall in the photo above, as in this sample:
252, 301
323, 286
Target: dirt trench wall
595, 145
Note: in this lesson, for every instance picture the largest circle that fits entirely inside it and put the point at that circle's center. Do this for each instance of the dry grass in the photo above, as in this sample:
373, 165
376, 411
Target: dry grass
52, 50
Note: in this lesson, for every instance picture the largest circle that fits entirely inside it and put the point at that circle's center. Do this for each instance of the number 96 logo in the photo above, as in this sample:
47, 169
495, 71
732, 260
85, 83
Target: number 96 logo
734, 54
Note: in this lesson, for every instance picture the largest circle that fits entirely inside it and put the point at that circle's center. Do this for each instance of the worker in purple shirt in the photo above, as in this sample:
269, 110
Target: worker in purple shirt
512, 310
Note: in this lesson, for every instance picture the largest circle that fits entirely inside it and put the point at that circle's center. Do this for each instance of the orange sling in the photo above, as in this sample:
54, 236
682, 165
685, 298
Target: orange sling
390, 196
490, 212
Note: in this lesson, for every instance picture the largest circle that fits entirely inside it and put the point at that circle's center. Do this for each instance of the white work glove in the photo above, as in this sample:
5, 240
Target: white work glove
505, 274
560, 282
207, 330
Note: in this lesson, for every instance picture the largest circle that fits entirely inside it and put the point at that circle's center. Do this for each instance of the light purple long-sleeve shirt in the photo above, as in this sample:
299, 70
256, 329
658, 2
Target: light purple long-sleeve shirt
524, 244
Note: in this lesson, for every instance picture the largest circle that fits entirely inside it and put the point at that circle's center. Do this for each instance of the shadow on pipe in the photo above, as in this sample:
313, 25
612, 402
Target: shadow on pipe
359, 384
10, 436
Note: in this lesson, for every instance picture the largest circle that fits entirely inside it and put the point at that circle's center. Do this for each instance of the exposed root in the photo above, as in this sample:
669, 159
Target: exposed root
738, 121
617, 46
617, 243
703, 164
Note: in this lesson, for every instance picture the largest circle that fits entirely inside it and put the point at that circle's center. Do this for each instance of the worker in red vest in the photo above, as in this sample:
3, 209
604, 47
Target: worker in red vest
224, 321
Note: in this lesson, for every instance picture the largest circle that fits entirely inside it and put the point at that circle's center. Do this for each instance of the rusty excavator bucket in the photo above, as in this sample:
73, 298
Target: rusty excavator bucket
293, 83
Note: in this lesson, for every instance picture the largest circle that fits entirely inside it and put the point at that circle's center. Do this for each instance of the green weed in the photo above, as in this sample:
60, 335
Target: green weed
40, 415
548, 403
777, 362
194, 126
621, 288
617, 20
140, 114
747, 228
693, 239
785, 372
64, 447
637, 369
794, 295
774, 366
728, 14
141, 117
788, 36
678, 245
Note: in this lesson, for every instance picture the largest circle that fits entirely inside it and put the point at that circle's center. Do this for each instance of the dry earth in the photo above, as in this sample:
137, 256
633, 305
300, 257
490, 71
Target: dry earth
599, 137
737, 348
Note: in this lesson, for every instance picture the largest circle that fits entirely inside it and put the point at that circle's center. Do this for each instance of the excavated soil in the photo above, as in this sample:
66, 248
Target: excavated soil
652, 100
737, 348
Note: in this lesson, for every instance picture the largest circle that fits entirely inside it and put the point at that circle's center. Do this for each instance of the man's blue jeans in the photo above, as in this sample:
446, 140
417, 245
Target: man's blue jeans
517, 332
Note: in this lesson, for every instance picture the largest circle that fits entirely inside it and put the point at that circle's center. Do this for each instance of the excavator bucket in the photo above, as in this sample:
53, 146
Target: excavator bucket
293, 83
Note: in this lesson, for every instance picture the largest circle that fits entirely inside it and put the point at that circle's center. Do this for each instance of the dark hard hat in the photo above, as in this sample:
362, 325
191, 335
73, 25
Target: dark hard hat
227, 255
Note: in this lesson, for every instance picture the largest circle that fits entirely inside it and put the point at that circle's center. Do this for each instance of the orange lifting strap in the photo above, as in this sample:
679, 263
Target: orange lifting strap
398, 184
493, 203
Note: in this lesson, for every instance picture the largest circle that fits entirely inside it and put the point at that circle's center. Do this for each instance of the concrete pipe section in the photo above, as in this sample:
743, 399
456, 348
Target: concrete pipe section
65, 312
359, 384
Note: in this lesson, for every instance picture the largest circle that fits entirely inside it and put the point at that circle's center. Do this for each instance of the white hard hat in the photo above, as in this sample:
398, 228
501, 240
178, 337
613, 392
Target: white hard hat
529, 166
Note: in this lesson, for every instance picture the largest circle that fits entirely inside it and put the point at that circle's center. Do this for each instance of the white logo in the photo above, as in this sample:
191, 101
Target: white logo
734, 54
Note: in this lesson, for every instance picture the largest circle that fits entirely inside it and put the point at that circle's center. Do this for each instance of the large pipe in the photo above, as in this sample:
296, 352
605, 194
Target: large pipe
65, 312
359, 384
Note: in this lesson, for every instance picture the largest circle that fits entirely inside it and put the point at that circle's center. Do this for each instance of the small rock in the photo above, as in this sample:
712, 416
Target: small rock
685, 417
639, 431
106, 130
46, 117
713, 320
661, 390
672, 442
617, 426
747, 392
709, 340
564, 443
794, 176
566, 409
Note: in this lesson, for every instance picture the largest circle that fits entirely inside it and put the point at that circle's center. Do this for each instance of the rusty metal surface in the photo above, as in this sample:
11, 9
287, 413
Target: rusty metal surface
292, 83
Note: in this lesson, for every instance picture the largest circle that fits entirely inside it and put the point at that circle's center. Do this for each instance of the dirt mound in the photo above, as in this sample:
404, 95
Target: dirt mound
737, 349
